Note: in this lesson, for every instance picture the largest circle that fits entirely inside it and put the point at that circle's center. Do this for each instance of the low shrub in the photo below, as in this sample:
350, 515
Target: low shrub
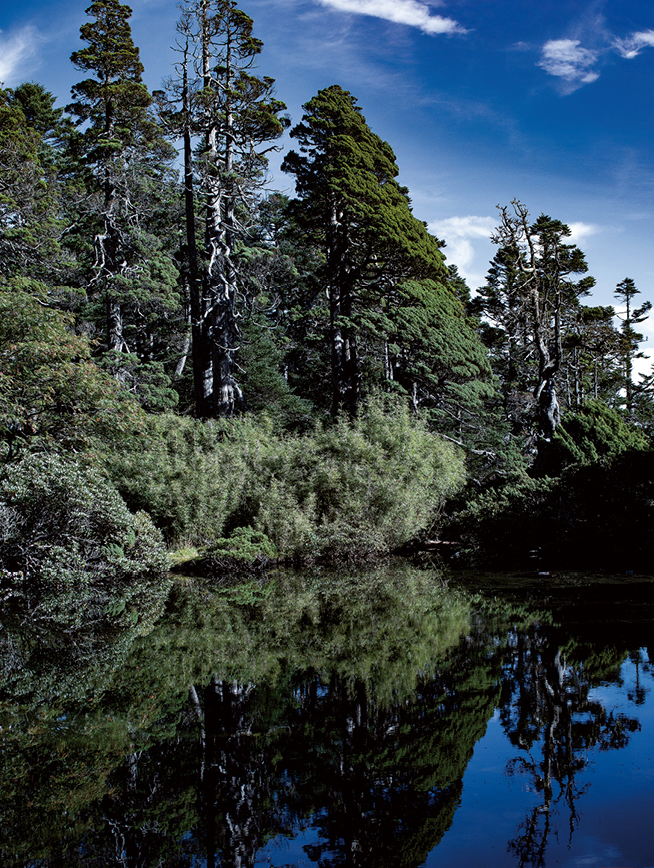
70, 550
246, 551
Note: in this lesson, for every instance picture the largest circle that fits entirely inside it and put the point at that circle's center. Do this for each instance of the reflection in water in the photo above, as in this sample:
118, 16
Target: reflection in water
547, 714
337, 712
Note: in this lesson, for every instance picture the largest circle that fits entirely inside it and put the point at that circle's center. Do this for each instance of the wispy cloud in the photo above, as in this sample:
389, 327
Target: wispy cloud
632, 45
579, 231
568, 60
575, 65
16, 49
462, 236
411, 12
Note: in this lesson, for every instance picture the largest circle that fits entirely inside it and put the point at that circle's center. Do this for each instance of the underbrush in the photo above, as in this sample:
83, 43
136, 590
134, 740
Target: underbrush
346, 490
597, 516
71, 552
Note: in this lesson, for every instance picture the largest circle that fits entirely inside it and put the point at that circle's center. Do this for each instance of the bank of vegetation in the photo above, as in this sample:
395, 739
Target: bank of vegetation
189, 359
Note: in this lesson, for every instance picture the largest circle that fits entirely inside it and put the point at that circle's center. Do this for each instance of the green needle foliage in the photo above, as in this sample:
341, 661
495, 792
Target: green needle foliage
354, 210
52, 395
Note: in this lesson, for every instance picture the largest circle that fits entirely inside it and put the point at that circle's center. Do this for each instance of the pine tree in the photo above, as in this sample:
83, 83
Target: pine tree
30, 223
532, 294
126, 158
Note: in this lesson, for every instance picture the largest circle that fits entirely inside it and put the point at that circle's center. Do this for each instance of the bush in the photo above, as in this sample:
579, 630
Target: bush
70, 550
246, 551
356, 488
190, 476
594, 516
347, 490
595, 434
506, 527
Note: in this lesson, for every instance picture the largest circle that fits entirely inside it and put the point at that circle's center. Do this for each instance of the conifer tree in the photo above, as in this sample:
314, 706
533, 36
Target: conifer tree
350, 201
232, 115
533, 290
125, 155
29, 197
625, 291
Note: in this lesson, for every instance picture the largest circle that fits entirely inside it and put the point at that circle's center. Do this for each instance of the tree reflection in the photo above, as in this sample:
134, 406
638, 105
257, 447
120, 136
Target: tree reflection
548, 715
349, 710
379, 784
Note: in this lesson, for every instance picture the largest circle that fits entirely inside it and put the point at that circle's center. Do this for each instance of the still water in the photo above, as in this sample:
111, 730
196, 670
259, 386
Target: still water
397, 717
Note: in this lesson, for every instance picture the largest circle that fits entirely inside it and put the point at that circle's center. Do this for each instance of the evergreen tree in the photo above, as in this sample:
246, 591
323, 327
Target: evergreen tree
625, 291
231, 113
353, 209
590, 367
530, 300
30, 223
123, 160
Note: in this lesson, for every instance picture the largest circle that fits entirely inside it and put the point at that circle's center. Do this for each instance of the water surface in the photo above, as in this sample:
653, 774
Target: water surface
390, 718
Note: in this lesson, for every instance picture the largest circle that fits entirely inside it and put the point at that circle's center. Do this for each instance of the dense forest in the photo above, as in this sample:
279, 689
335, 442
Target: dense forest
190, 358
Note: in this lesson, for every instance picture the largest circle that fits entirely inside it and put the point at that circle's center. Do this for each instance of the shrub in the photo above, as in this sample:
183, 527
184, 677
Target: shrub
51, 392
358, 487
506, 527
245, 551
186, 474
346, 490
70, 550
594, 516
596, 433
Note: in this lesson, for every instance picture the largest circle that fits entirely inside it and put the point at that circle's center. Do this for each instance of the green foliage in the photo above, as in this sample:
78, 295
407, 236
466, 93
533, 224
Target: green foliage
595, 433
51, 392
185, 474
115, 101
630, 339
350, 489
594, 516
357, 487
245, 550
147, 381
30, 219
264, 387
71, 550
502, 527
354, 211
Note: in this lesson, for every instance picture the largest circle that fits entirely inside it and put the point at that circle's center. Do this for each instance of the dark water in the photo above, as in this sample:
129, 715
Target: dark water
384, 719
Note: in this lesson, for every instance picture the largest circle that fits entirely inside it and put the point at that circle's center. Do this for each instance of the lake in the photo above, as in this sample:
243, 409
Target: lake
390, 717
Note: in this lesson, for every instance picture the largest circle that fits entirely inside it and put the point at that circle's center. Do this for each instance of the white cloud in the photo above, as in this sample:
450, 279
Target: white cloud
16, 50
464, 237
634, 44
566, 59
579, 231
411, 12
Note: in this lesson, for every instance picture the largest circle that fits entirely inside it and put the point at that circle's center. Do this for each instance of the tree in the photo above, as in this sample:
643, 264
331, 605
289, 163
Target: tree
352, 207
625, 292
591, 351
51, 392
123, 161
531, 294
231, 113
433, 354
30, 222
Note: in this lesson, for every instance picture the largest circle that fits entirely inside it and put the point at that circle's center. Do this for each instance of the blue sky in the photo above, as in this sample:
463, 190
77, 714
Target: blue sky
483, 101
